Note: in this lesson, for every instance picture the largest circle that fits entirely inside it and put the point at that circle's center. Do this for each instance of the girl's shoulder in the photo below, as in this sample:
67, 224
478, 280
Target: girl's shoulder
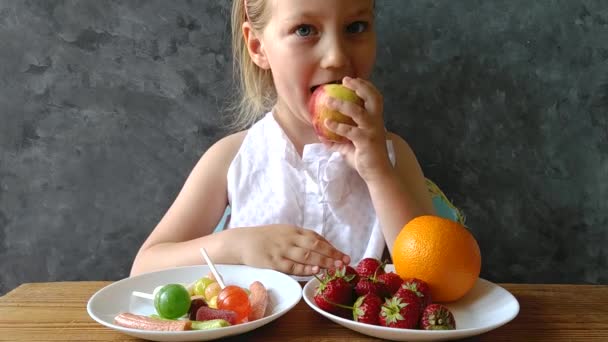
232, 141
226, 148
230, 145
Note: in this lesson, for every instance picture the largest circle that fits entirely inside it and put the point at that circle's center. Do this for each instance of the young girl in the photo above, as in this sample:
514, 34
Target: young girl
299, 204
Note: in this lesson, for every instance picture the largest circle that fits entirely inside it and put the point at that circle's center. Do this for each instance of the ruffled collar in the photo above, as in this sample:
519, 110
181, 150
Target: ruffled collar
327, 168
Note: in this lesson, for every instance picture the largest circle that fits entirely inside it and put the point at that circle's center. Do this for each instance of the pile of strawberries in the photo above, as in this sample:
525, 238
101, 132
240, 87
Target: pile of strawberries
370, 295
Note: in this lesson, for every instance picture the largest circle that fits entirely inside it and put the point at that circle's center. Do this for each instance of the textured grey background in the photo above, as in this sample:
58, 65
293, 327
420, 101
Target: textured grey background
105, 106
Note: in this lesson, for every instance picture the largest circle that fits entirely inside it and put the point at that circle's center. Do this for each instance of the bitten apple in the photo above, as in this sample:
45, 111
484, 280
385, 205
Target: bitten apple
319, 110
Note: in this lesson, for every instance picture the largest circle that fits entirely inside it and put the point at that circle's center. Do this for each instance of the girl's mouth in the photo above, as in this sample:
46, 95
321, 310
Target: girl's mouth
313, 88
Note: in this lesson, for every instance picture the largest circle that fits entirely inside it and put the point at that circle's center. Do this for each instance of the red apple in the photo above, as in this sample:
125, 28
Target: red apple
319, 110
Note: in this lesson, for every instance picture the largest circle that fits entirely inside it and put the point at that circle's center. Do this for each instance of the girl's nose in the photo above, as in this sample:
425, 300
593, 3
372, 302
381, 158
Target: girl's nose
334, 54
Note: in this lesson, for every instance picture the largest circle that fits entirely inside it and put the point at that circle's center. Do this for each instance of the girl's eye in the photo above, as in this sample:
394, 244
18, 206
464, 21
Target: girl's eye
304, 30
357, 27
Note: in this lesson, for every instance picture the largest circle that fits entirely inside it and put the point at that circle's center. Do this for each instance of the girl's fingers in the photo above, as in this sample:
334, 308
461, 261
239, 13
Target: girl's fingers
310, 240
309, 257
372, 98
363, 88
350, 132
328, 143
353, 110
295, 268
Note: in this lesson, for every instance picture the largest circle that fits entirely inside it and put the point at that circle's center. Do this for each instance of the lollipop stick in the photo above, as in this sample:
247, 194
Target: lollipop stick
143, 295
218, 276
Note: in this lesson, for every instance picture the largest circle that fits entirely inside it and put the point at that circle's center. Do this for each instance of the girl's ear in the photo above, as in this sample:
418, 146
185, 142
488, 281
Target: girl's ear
255, 46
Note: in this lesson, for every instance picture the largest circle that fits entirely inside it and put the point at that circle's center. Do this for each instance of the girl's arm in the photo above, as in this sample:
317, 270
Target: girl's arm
401, 194
398, 193
188, 224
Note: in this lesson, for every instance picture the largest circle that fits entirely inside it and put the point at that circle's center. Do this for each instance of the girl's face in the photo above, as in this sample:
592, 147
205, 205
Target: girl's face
311, 42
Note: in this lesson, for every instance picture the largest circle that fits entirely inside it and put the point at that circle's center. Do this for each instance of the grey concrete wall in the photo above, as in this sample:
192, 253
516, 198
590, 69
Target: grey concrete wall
105, 106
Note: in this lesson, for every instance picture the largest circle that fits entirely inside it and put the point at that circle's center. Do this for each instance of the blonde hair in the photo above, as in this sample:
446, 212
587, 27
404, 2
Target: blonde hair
255, 85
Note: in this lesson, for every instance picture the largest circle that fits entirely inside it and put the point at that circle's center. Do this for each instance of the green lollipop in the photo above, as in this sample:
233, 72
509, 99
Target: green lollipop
172, 301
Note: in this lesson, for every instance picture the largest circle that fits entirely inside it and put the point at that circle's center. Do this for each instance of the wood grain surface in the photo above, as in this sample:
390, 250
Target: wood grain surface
57, 312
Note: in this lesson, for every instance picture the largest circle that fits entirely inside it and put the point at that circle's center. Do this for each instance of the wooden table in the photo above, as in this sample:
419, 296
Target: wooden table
57, 312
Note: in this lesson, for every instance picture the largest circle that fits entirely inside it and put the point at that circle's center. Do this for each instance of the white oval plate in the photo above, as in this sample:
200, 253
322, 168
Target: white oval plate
284, 293
487, 306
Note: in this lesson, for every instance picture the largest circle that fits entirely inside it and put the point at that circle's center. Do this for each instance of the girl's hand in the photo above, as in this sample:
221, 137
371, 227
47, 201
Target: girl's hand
286, 248
366, 151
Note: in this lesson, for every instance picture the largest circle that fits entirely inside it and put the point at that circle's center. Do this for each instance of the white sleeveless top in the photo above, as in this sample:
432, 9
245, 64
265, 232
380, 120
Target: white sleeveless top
268, 183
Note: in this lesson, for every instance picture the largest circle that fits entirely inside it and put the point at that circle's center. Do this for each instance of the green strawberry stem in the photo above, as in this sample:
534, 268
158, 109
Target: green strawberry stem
380, 267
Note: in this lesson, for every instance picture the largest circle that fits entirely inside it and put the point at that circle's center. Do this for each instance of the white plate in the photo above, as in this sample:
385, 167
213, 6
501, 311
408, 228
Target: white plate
487, 306
284, 293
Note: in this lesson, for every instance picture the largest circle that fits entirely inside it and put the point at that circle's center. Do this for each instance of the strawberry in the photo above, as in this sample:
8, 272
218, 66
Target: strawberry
398, 312
437, 317
346, 272
392, 280
371, 285
367, 309
409, 296
333, 291
421, 288
369, 266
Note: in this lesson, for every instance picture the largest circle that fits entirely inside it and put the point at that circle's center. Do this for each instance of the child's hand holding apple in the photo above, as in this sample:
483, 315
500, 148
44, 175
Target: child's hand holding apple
349, 118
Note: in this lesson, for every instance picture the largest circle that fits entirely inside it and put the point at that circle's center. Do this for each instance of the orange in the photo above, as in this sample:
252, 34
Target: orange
441, 252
